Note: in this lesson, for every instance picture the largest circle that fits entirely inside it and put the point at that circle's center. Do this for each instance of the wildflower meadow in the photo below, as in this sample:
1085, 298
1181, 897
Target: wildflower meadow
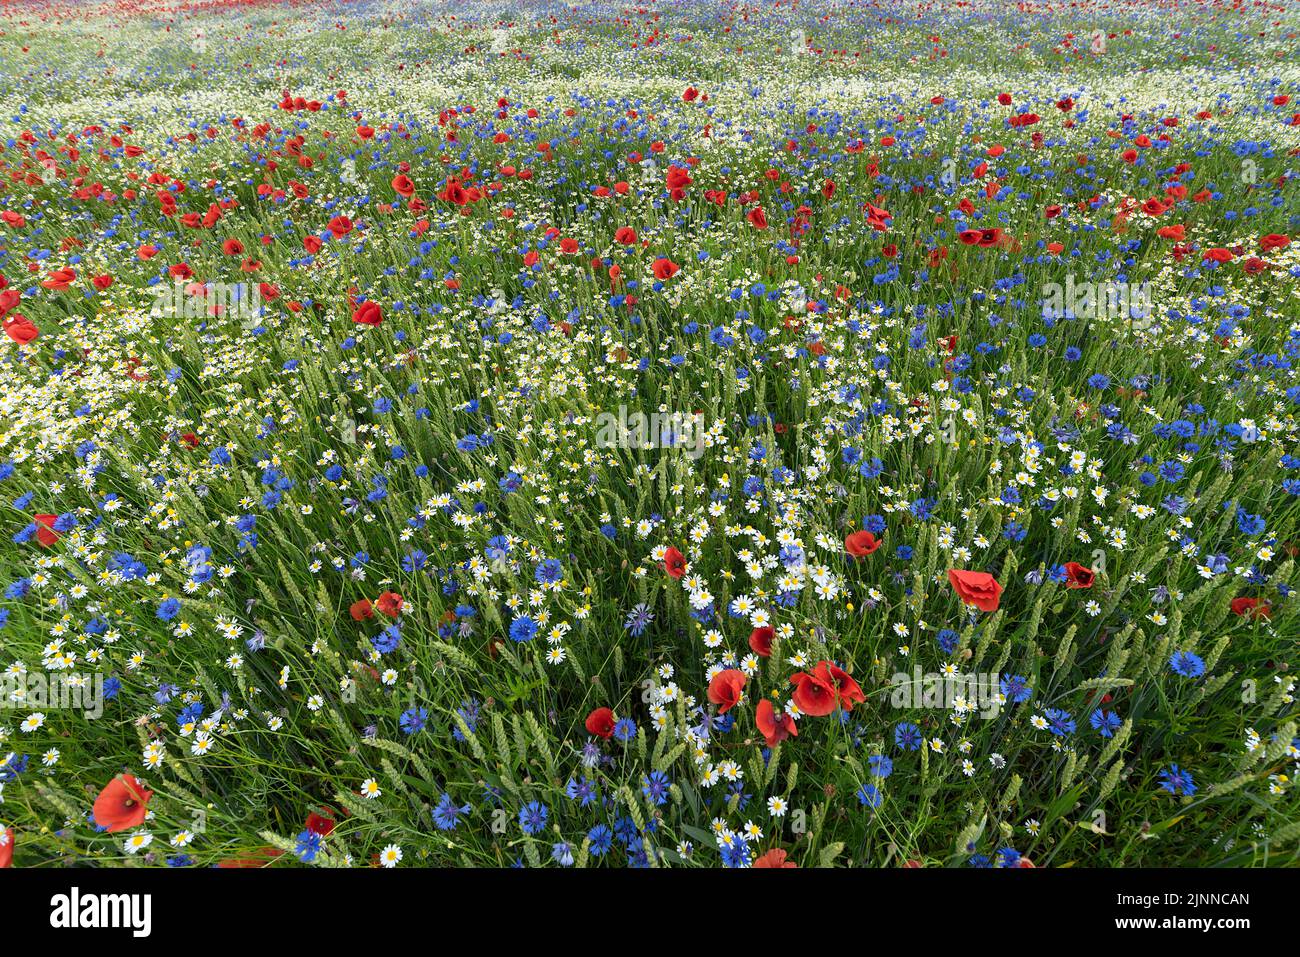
669, 434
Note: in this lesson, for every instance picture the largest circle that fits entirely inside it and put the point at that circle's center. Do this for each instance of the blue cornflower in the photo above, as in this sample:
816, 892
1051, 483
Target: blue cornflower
414, 719
532, 818
1015, 688
1248, 524
1059, 722
468, 712
947, 639
1172, 471
549, 572
656, 786
735, 853
1187, 664
583, 791
1106, 723
601, 838
562, 854
523, 629
638, 619
1177, 781
907, 736
869, 796
447, 815
387, 640
308, 846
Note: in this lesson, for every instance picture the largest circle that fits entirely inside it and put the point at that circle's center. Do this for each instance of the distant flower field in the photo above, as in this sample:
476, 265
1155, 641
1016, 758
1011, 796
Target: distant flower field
686, 434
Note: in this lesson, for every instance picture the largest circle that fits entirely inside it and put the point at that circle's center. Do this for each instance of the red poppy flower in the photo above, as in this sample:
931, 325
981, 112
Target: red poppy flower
312, 244
877, 218
850, 693
361, 610
601, 722
976, 588
813, 693
773, 725
122, 804
776, 857
403, 186
368, 314
259, 858
725, 689
760, 639
60, 279
20, 329
340, 226
1274, 241
45, 533
1251, 606
1076, 576
390, 603
319, 824
861, 544
757, 218
665, 268
674, 562
625, 236
453, 192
